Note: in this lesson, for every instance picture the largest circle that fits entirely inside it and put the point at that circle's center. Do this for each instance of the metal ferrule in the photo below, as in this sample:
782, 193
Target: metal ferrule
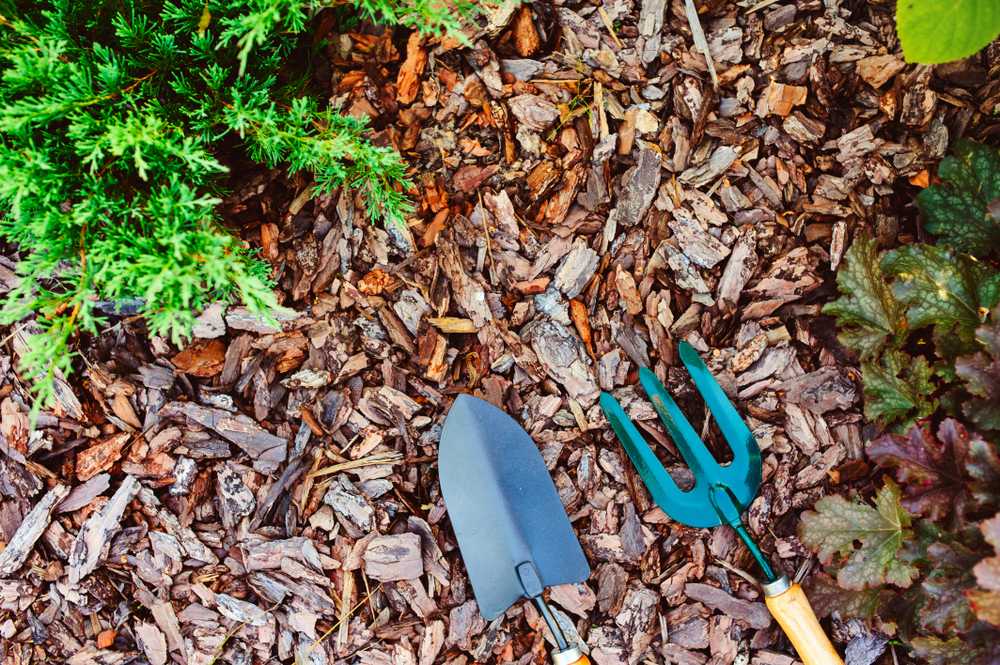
566, 657
777, 587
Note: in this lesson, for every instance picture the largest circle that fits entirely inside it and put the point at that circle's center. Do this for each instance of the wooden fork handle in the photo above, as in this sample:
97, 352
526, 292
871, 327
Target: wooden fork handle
792, 611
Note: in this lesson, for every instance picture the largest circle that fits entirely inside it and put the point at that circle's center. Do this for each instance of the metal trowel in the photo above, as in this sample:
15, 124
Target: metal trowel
511, 527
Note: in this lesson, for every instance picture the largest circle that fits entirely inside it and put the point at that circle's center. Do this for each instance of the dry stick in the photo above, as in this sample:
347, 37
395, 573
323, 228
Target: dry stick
229, 635
699, 39
345, 612
371, 460
610, 26
334, 627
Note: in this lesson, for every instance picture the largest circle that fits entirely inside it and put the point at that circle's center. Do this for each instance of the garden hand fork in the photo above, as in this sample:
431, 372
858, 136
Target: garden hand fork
721, 493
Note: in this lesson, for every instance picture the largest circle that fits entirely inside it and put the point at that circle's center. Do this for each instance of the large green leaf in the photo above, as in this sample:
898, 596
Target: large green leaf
898, 389
963, 209
837, 524
867, 312
942, 288
935, 31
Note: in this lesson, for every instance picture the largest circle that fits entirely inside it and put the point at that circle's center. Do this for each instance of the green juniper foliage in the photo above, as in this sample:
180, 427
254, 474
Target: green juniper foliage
111, 116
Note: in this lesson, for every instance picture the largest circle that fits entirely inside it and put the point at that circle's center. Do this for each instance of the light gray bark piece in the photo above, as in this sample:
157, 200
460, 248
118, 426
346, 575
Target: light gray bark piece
720, 161
241, 318
268, 555
96, 532
771, 362
240, 610
564, 359
83, 494
523, 69
431, 643
740, 267
434, 562
152, 642
636, 617
821, 391
639, 185
391, 558
698, 244
576, 269
235, 498
650, 26
30, 530
210, 323
265, 449
352, 509
192, 545
464, 622
469, 294
411, 307
534, 112
686, 274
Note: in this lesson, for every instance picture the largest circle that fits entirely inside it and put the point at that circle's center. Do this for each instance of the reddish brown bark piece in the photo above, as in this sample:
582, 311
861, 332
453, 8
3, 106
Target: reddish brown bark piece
408, 79
101, 456
203, 358
526, 39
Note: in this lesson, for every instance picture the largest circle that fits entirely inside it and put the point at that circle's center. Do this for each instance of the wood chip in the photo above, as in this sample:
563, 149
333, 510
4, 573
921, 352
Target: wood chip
96, 532
390, 558
753, 614
30, 530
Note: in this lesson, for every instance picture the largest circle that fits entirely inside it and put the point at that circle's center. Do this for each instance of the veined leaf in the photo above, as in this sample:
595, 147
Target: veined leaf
898, 389
953, 472
939, 652
944, 608
826, 596
867, 312
981, 373
942, 288
963, 210
932, 31
837, 524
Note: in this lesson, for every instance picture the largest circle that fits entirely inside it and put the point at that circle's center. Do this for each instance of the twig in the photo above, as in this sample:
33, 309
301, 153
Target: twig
699, 39
610, 26
335, 626
371, 460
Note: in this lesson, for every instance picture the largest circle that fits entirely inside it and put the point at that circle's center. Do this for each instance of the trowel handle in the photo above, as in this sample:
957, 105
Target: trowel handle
570, 656
791, 609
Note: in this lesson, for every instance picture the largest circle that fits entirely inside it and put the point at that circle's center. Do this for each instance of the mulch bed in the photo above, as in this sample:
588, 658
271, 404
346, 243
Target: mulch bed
586, 198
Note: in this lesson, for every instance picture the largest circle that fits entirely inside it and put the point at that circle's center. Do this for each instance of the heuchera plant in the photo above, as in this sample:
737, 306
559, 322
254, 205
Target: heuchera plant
924, 323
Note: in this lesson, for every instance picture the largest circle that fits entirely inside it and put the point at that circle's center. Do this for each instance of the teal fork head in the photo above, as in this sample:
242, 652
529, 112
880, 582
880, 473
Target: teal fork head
721, 492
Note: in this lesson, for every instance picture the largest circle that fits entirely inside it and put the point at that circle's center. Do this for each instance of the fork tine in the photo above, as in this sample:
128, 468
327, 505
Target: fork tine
694, 451
746, 453
665, 492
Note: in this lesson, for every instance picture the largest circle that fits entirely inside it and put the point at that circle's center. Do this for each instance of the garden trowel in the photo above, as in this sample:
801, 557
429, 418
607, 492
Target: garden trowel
721, 493
511, 527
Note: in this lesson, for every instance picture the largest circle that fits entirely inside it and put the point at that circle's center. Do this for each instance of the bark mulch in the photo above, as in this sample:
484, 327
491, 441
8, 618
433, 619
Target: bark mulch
589, 191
